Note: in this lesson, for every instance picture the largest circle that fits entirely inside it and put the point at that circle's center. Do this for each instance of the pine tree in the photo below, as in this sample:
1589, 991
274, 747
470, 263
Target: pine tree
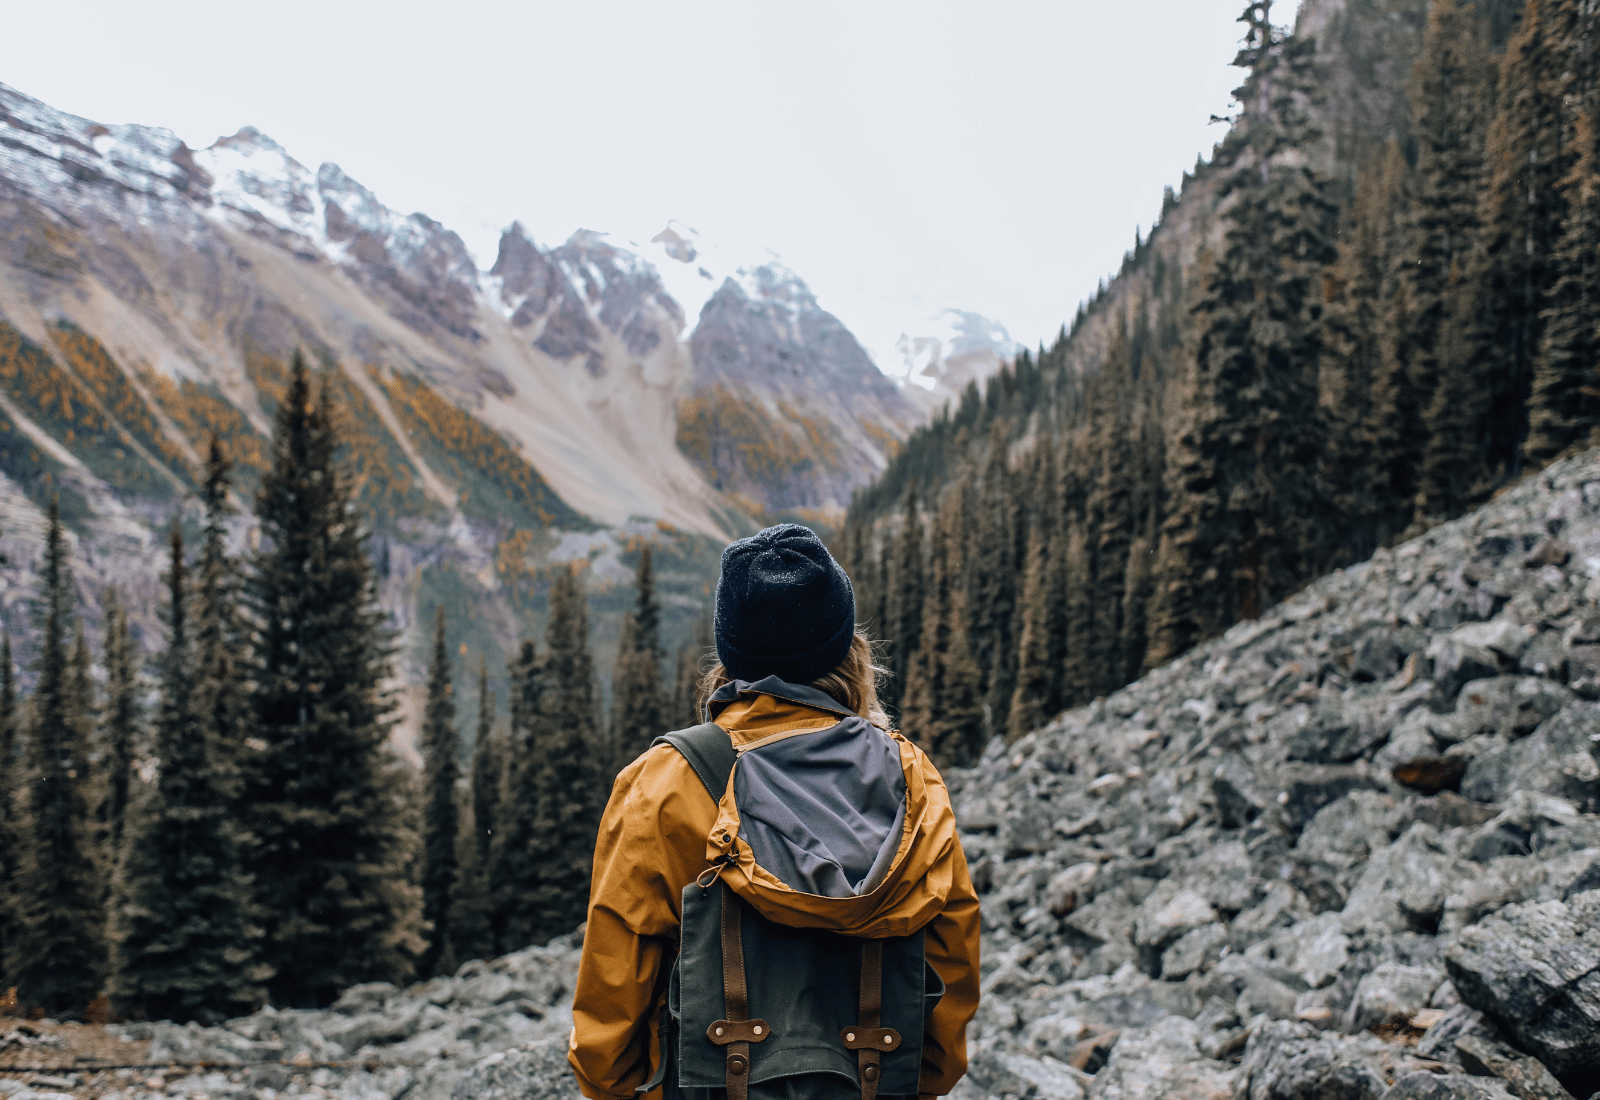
905, 608
1246, 506
471, 911
1030, 701
120, 724
57, 958
184, 944
1365, 383
994, 581
638, 701
10, 820
221, 700
328, 805
440, 749
686, 682
1110, 507
91, 777
1564, 410
1477, 421
571, 781
513, 870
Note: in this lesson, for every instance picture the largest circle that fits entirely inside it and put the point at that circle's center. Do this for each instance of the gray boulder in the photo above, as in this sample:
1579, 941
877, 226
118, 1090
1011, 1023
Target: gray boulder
1534, 969
1287, 1061
1161, 1062
1427, 1086
1391, 993
1403, 886
1527, 1077
1560, 758
537, 1071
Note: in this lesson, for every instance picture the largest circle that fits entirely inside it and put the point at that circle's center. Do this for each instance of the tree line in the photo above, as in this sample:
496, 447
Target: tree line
1359, 357
250, 838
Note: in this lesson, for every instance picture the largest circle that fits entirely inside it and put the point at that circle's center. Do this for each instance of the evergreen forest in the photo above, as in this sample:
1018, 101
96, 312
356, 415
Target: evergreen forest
1355, 321
230, 827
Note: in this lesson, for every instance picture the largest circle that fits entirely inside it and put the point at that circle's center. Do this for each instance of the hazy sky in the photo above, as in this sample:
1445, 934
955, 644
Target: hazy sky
902, 157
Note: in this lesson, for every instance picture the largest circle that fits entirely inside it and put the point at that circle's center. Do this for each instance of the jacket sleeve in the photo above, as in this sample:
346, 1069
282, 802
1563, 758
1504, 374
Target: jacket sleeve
952, 951
651, 844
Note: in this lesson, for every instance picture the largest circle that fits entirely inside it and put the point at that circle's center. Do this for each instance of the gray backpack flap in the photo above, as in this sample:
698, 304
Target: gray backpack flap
761, 1009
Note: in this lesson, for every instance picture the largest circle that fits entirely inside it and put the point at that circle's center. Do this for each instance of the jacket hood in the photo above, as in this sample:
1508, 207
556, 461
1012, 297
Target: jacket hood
830, 822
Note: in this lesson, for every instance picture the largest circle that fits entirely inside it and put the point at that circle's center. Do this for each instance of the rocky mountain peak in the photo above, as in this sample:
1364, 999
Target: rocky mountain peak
675, 245
958, 347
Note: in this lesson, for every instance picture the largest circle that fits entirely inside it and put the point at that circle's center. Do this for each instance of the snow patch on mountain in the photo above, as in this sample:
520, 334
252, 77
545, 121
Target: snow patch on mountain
953, 349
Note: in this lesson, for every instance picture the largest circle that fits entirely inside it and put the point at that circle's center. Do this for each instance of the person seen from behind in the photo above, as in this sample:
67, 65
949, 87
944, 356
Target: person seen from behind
780, 905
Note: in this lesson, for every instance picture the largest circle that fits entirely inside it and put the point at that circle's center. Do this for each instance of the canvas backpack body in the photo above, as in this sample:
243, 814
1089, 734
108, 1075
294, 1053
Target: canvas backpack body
756, 1009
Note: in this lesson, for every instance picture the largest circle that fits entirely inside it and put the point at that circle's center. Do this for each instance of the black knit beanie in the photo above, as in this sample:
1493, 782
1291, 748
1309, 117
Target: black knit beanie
784, 607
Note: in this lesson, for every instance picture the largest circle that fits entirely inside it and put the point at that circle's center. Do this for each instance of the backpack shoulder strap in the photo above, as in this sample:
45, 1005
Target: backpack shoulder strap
709, 751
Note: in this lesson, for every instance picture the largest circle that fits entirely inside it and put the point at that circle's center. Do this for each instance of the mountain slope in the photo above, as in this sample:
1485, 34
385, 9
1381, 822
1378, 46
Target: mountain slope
496, 422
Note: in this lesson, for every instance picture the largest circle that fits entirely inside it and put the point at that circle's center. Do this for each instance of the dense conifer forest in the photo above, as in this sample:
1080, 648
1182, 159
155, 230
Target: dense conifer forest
1379, 330
230, 827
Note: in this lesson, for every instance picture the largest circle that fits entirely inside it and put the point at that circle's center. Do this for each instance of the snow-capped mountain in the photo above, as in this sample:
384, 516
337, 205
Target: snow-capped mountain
951, 351
564, 402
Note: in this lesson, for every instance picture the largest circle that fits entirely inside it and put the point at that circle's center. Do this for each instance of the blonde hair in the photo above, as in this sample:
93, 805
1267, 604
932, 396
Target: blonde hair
853, 683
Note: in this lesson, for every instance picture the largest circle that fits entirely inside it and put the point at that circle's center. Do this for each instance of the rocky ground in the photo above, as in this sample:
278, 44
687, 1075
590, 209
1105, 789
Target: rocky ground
375, 1043
1350, 851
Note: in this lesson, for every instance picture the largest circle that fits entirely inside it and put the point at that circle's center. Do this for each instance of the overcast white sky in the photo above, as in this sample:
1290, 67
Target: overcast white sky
902, 157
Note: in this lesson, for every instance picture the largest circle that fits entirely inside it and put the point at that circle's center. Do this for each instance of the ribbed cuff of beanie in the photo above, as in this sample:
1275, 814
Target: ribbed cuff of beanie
797, 668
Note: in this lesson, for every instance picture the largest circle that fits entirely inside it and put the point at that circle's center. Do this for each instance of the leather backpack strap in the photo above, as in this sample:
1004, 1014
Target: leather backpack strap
709, 751
867, 1039
737, 1031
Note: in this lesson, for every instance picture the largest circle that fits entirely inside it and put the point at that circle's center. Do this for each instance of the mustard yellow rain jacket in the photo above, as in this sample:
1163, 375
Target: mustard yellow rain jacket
660, 831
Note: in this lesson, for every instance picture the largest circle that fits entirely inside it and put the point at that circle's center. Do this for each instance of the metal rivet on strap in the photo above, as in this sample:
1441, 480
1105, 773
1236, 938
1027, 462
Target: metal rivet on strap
736, 1065
849, 1036
758, 1029
870, 1073
719, 1031
888, 1040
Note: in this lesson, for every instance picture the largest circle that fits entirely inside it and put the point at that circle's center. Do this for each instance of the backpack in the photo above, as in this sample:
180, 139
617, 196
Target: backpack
763, 1010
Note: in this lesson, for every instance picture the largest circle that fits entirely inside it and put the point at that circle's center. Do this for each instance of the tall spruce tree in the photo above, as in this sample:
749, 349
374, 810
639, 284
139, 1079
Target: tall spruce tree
332, 839
221, 699
639, 703
10, 818
686, 682
1031, 700
185, 947
1564, 410
57, 958
1426, 406
120, 723
1477, 420
440, 771
905, 605
571, 780
513, 871
471, 932
1246, 514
